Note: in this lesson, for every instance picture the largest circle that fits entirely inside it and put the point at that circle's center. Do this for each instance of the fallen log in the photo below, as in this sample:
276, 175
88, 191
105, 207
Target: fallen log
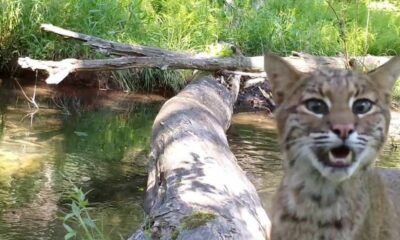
304, 62
58, 70
195, 189
136, 56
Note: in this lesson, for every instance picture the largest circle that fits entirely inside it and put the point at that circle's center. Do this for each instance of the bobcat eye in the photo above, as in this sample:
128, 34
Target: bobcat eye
362, 106
316, 106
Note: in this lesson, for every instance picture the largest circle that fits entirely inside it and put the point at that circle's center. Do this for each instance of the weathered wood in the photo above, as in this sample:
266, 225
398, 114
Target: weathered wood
247, 74
196, 190
111, 47
58, 70
151, 57
304, 62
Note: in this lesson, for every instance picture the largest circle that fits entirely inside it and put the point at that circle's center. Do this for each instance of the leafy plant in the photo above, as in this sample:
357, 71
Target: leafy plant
78, 222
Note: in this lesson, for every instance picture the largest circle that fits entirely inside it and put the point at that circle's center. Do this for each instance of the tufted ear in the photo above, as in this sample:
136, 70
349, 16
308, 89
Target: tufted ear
281, 74
387, 74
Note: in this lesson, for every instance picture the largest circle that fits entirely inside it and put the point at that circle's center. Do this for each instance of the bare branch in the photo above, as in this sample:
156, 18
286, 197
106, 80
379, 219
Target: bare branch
58, 70
110, 47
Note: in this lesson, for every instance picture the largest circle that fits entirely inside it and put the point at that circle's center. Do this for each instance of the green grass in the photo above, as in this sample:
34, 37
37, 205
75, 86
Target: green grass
280, 26
312, 26
149, 80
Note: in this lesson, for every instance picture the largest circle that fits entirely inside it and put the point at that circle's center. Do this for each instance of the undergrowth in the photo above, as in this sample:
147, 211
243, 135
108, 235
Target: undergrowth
150, 79
255, 26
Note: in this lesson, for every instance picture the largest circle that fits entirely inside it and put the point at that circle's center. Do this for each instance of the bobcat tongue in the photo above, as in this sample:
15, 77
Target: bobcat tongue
340, 157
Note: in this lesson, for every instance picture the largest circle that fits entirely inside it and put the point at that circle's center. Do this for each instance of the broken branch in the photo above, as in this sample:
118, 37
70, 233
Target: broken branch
111, 47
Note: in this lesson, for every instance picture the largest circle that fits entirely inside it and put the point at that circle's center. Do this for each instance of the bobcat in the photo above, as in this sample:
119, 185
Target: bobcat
332, 123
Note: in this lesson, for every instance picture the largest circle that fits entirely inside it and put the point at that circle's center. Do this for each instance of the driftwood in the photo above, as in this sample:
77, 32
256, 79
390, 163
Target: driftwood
150, 57
196, 190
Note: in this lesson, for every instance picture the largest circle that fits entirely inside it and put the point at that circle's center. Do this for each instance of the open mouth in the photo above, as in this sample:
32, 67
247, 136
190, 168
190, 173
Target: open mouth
339, 157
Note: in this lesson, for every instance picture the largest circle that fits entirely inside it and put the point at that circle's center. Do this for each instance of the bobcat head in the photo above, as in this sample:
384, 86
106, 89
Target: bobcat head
331, 121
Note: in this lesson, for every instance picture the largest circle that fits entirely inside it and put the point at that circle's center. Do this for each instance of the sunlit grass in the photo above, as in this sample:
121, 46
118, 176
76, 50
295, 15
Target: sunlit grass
283, 26
280, 26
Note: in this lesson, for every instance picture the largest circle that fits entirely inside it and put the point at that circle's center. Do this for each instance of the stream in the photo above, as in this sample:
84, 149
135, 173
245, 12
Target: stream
98, 141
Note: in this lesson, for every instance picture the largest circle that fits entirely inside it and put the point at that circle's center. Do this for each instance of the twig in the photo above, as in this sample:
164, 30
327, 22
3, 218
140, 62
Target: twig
343, 34
30, 100
366, 32
31, 115
249, 74
253, 81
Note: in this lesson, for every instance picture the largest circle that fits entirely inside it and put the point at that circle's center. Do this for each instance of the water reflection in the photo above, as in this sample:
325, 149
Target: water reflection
102, 149
253, 140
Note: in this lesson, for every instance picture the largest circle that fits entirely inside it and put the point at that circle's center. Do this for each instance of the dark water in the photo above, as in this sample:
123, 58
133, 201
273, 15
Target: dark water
44, 154
253, 140
102, 148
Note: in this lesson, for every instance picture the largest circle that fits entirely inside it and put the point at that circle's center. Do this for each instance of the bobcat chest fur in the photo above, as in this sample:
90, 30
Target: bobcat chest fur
332, 124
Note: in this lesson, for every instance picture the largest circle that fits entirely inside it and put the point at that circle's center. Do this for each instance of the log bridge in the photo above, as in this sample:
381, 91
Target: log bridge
195, 188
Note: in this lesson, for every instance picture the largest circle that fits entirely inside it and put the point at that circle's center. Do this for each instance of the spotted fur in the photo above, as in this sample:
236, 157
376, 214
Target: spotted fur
318, 198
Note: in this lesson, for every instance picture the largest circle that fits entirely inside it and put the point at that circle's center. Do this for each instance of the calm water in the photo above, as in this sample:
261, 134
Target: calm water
71, 142
100, 145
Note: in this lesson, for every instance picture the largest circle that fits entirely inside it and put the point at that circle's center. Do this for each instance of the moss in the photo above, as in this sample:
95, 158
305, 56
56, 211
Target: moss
175, 233
196, 219
148, 222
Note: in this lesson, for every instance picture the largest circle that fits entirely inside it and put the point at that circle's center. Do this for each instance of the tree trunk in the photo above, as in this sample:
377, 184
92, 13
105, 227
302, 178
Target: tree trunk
196, 190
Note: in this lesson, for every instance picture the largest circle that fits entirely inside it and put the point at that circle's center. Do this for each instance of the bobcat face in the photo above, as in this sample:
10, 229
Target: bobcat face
336, 119
333, 121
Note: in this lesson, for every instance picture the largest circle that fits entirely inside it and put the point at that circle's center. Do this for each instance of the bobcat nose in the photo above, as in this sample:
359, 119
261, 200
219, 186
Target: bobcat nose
343, 130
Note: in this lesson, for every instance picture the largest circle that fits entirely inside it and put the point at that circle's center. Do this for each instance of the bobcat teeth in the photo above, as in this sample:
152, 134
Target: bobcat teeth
340, 161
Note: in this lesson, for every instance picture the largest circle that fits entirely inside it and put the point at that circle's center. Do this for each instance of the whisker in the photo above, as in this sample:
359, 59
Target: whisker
320, 137
362, 139
324, 144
